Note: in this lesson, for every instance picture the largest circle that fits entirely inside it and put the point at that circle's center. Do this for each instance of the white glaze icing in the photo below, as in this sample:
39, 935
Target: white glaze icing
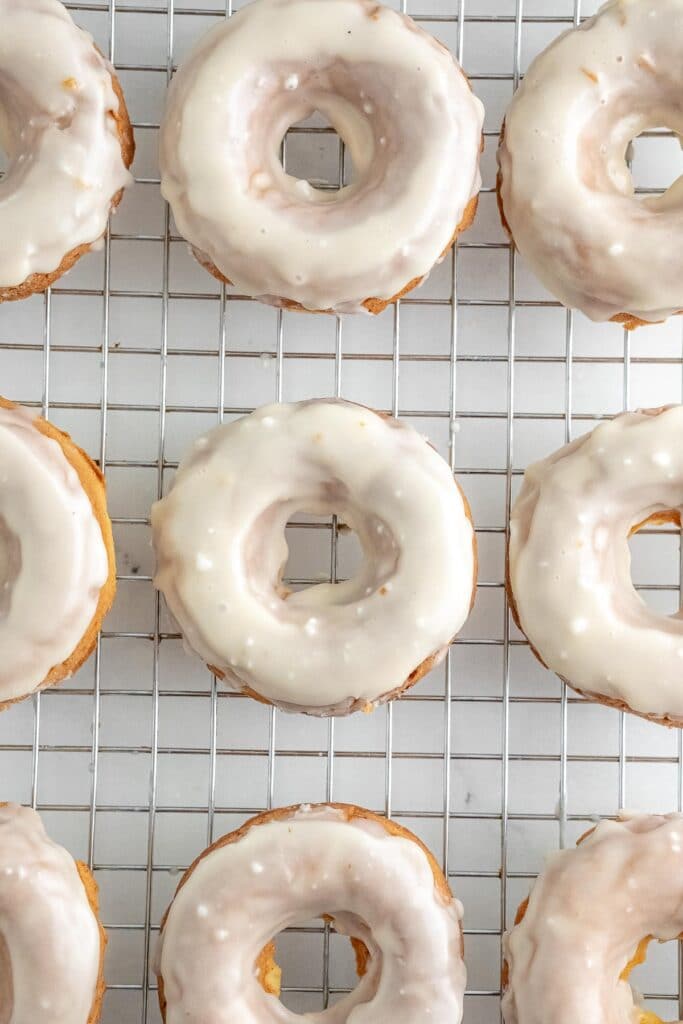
219, 538
587, 913
567, 193
395, 95
377, 887
570, 561
47, 927
57, 128
53, 561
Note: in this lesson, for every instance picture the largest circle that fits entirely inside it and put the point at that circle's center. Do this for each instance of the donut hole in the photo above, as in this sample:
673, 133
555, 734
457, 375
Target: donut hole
655, 160
284, 965
314, 152
6, 985
321, 550
655, 558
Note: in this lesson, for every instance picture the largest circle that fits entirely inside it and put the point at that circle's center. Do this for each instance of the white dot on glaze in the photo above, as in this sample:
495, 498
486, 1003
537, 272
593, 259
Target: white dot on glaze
579, 626
368, 108
202, 910
221, 934
292, 82
249, 641
268, 421
201, 442
616, 249
203, 562
628, 461
256, 867
661, 459
311, 627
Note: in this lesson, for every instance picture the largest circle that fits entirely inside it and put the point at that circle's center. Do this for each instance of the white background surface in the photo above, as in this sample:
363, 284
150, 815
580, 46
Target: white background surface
142, 759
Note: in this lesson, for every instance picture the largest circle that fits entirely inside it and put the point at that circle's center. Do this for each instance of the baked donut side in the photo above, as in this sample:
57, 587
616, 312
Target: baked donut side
93, 484
92, 892
266, 968
645, 451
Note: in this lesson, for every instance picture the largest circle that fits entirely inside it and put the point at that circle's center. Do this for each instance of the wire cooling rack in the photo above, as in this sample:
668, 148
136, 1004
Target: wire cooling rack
142, 759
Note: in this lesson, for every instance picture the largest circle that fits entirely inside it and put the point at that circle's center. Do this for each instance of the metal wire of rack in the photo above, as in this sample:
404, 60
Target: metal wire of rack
143, 759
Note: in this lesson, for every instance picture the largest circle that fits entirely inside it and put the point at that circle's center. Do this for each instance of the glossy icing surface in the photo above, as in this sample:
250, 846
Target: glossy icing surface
570, 561
394, 94
219, 537
57, 128
48, 932
567, 193
53, 561
377, 887
587, 913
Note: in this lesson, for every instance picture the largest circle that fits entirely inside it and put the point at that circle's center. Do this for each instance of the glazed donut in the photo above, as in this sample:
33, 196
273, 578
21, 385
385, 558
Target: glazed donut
569, 562
588, 921
397, 98
219, 537
51, 939
371, 878
66, 131
57, 570
566, 193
